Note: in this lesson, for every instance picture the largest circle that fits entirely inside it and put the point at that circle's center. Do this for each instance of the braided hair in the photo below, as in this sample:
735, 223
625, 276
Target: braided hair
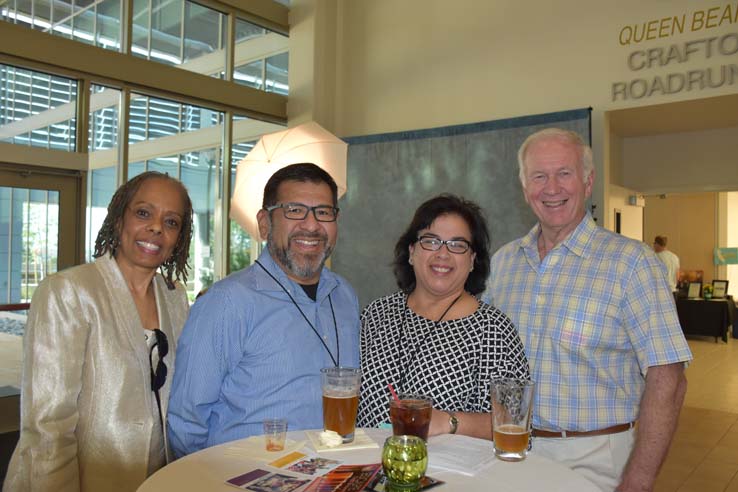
108, 239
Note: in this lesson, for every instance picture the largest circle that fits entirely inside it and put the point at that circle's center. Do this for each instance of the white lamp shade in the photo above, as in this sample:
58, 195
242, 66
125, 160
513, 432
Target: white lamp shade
308, 142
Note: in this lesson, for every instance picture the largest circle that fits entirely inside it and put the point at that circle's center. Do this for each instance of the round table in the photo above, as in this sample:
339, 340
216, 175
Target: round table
209, 468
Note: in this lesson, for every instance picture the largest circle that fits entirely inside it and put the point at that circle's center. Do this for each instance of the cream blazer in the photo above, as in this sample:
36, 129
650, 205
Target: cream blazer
86, 399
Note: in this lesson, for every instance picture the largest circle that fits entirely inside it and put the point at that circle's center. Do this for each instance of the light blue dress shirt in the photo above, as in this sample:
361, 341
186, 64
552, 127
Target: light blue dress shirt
246, 354
594, 315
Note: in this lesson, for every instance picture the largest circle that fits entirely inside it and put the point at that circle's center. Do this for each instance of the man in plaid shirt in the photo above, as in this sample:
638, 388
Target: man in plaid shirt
598, 322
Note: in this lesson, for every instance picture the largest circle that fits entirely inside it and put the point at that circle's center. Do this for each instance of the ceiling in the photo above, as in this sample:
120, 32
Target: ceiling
676, 117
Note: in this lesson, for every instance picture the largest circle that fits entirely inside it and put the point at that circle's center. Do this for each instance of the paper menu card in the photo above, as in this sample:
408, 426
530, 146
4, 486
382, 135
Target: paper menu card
460, 454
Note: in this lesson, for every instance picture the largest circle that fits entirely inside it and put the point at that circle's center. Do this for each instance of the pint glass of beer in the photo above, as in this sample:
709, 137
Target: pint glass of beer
340, 399
512, 404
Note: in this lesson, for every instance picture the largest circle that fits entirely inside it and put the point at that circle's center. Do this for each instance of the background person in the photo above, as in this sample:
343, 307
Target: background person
434, 337
598, 322
255, 342
99, 339
669, 259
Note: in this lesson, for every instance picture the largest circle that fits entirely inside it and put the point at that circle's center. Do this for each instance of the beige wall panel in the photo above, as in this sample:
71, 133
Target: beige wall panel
689, 222
682, 161
427, 63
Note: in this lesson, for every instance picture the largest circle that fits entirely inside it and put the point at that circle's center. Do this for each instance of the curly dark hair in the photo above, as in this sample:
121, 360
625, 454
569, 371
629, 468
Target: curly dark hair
445, 204
108, 239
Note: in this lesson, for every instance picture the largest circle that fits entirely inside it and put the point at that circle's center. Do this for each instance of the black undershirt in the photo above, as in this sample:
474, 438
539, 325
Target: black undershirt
311, 290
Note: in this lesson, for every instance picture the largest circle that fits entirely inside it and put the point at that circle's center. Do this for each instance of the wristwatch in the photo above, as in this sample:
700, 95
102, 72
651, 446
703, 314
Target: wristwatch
453, 422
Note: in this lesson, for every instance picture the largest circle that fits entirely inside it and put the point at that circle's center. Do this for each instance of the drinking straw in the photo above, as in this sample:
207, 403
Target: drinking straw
394, 393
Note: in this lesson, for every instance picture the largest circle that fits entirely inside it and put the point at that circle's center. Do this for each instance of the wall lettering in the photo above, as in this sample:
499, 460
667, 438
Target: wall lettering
697, 20
720, 51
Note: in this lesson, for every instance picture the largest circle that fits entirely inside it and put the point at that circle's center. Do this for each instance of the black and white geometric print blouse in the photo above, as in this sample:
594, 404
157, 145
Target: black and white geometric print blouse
452, 361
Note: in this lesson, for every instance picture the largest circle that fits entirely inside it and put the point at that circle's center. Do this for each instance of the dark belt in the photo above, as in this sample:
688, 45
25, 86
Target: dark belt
599, 432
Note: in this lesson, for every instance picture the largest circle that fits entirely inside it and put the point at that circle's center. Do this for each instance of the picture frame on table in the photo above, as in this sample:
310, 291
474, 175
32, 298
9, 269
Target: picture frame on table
719, 289
694, 290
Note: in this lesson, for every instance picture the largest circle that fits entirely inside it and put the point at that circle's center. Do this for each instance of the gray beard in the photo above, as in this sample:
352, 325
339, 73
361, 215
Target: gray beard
310, 264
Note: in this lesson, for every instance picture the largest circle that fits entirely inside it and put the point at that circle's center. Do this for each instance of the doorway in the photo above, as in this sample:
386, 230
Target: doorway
41, 219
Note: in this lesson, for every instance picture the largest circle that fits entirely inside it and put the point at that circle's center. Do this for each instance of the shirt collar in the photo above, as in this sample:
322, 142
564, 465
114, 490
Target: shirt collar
326, 284
578, 242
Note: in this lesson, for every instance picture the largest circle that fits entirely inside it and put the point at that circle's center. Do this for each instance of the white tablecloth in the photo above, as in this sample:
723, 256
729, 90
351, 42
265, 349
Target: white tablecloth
210, 468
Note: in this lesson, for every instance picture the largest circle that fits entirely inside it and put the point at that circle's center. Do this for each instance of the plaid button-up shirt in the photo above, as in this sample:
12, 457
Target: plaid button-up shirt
594, 315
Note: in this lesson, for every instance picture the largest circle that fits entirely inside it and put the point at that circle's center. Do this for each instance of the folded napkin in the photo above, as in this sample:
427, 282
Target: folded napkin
361, 441
254, 448
460, 454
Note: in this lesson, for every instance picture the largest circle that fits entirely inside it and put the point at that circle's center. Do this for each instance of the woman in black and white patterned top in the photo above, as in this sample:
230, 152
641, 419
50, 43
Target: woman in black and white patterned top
434, 337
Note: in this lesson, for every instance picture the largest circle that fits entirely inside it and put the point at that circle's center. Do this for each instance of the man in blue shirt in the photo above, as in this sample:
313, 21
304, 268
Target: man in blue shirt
254, 344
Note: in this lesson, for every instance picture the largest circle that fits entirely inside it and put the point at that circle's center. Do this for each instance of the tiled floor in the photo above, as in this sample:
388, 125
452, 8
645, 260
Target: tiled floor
704, 454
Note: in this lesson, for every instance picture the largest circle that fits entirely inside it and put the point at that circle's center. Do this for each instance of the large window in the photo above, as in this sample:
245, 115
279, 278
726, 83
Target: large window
37, 109
261, 58
91, 22
165, 134
179, 33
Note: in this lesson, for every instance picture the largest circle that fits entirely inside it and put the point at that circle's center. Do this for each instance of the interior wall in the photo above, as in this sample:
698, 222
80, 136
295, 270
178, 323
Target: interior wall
732, 241
689, 221
428, 63
631, 216
677, 162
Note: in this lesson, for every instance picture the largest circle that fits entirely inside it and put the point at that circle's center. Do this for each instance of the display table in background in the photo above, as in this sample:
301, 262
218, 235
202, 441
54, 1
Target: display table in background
711, 318
207, 470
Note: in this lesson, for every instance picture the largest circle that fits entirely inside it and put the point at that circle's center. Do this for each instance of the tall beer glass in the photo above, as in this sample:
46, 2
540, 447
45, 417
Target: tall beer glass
512, 405
340, 400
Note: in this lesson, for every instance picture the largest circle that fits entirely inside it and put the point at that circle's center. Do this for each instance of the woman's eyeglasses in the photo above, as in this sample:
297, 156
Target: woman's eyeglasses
432, 243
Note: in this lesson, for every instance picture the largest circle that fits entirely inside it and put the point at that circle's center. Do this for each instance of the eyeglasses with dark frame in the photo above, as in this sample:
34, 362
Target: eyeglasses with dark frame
299, 211
456, 246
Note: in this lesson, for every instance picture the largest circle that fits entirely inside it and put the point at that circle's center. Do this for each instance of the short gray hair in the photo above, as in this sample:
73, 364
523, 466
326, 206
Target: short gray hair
585, 151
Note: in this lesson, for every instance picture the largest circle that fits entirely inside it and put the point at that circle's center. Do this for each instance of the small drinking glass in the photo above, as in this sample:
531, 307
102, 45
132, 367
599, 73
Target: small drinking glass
410, 415
275, 431
404, 460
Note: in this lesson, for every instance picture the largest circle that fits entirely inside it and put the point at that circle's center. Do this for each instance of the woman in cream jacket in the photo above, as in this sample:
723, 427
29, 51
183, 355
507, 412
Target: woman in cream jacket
99, 340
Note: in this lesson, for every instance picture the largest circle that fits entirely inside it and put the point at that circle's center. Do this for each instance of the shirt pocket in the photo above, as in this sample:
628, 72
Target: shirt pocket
586, 324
